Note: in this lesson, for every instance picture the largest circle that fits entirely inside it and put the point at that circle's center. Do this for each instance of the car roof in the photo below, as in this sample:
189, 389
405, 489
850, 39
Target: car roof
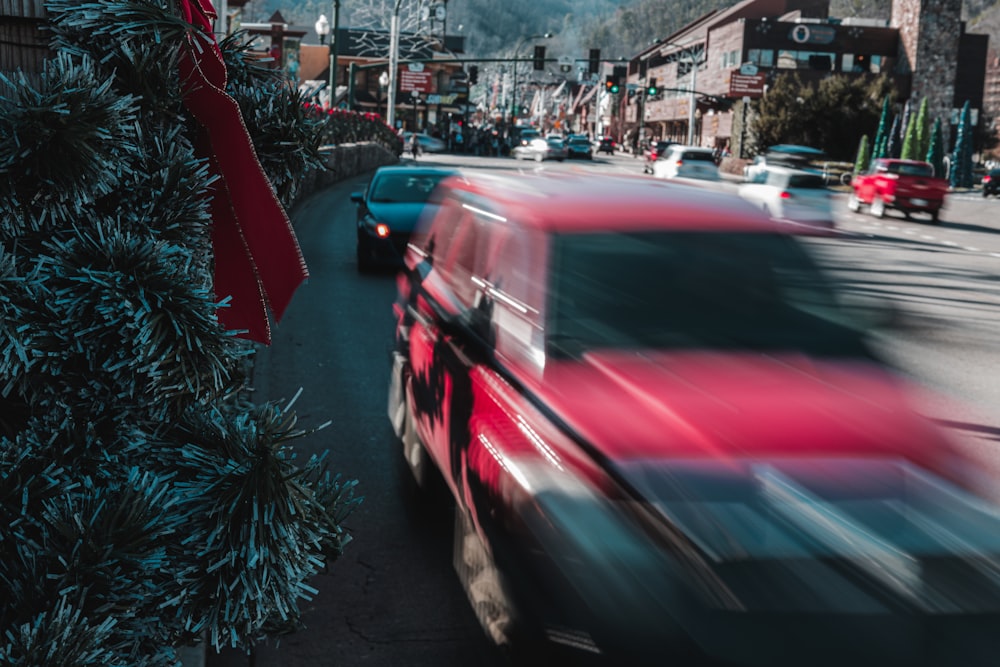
581, 202
794, 149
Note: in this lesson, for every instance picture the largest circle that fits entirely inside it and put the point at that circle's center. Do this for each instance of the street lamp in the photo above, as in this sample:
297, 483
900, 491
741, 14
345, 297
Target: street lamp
695, 62
383, 83
513, 94
323, 29
390, 111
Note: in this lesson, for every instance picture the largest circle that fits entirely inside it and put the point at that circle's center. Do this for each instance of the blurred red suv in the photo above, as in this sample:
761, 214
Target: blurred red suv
663, 436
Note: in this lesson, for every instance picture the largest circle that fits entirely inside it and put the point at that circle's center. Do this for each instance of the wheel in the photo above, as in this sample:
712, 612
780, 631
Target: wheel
935, 217
985, 194
853, 203
878, 207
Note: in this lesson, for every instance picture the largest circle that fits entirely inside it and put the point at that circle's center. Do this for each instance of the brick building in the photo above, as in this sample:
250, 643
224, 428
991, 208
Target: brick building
741, 50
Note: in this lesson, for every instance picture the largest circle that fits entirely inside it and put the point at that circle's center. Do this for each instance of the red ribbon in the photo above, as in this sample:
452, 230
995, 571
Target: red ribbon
258, 262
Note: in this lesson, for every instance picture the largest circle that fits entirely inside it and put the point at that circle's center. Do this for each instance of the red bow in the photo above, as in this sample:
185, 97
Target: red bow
258, 262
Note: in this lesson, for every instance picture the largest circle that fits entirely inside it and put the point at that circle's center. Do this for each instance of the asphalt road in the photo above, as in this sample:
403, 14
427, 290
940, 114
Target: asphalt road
393, 599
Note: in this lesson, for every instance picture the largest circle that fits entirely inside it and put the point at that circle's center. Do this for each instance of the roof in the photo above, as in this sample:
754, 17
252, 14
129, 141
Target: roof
574, 202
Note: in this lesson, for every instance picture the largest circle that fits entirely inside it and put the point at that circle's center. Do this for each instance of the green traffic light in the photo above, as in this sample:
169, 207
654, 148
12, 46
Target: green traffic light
614, 88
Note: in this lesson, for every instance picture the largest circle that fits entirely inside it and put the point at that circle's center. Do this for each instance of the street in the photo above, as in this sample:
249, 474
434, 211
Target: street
393, 599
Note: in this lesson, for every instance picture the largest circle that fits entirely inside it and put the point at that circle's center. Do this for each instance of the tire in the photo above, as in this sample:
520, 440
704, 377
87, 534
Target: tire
853, 203
935, 217
364, 263
878, 207
985, 194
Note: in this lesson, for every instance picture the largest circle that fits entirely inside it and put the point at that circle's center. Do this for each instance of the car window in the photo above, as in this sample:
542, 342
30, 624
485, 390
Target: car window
807, 181
698, 156
691, 290
404, 188
907, 169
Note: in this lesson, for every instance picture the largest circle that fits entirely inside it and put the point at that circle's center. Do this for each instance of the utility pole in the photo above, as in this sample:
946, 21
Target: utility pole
390, 112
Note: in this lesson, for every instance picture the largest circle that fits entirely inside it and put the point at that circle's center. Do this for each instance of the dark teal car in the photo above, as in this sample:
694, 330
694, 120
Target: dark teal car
388, 210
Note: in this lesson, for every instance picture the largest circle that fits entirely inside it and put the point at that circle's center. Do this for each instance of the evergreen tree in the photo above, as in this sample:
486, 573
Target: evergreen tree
882, 133
960, 174
146, 499
935, 152
892, 146
863, 158
915, 133
923, 136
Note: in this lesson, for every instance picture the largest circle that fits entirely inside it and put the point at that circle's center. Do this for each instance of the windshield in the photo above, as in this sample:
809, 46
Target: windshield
692, 290
404, 188
910, 169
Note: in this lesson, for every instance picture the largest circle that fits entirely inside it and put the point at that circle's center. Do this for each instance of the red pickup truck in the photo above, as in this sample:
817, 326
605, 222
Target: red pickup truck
908, 186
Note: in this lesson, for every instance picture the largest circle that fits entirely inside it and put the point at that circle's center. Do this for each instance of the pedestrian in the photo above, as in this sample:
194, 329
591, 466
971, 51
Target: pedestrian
414, 145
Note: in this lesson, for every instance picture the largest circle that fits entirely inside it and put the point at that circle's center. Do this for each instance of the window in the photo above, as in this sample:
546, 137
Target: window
649, 290
761, 57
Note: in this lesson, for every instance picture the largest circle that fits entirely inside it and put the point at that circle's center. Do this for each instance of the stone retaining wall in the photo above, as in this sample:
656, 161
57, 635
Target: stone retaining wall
345, 161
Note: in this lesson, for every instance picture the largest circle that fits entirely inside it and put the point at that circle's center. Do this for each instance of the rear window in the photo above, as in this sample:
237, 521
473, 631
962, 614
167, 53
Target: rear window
806, 181
905, 169
704, 156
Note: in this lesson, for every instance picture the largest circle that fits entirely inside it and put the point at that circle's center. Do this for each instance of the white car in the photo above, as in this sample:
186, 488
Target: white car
791, 195
687, 162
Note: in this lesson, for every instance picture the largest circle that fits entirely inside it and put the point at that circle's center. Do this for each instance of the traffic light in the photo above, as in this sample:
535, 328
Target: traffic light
473, 74
539, 57
610, 85
652, 89
594, 63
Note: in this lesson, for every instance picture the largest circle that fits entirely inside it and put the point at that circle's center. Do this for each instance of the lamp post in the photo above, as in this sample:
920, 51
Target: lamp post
383, 83
323, 29
513, 92
690, 52
390, 112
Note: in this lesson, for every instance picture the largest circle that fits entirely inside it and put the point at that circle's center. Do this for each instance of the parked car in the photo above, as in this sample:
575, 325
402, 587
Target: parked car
539, 149
687, 162
791, 195
663, 436
579, 146
388, 210
908, 186
783, 155
606, 145
557, 149
656, 150
427, 143
991, 182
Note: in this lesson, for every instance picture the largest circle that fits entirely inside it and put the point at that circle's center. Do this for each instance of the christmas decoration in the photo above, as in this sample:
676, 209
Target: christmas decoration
147, 503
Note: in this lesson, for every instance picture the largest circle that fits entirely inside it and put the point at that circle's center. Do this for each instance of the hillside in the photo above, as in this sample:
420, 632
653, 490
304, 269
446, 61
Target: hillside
618, 27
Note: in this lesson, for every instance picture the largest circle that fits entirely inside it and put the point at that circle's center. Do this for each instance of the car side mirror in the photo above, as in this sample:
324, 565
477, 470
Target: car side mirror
358, 197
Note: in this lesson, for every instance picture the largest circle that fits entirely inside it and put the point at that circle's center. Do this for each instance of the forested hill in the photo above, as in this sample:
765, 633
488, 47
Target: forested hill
618, 27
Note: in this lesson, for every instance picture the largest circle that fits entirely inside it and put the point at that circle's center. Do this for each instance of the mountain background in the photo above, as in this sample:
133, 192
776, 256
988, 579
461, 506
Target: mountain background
620, 28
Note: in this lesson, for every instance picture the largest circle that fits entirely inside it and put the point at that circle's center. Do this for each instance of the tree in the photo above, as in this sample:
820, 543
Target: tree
882, 133
146, 500
832, 115
935, 152
914, 145
923, 135
960, 174
892, 143
863, 158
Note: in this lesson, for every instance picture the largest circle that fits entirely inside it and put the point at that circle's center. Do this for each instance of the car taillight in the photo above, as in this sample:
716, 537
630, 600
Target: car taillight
986, 178
785, 194
381, 230
680, 162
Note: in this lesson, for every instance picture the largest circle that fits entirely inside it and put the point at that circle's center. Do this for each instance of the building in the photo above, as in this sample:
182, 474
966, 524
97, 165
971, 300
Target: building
709, 73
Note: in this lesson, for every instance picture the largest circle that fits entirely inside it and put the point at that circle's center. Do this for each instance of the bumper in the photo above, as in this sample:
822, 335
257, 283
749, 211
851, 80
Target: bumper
388, 252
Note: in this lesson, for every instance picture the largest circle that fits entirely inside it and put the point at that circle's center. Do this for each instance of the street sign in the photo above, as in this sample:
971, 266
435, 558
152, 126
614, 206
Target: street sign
565, 64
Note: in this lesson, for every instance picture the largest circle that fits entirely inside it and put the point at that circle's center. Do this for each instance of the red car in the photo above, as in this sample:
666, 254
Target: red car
663, 437
908, 186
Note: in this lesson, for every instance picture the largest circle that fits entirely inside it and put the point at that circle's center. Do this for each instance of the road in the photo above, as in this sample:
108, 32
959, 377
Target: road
393, 599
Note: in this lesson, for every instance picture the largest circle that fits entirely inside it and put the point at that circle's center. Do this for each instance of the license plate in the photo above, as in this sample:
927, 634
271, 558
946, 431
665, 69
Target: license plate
919, 202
